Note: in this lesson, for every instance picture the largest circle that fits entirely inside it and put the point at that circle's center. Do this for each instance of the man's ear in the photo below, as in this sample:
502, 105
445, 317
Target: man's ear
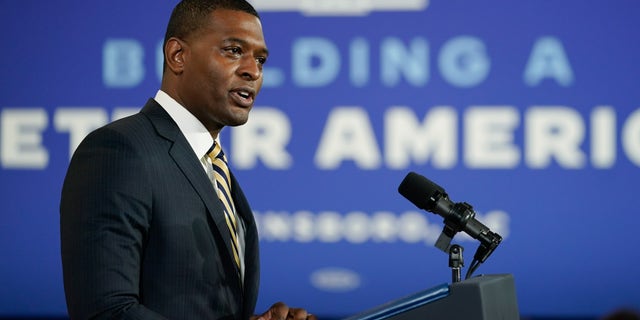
174, 55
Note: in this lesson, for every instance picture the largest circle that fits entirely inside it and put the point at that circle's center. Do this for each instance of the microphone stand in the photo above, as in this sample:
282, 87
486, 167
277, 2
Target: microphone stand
456, 262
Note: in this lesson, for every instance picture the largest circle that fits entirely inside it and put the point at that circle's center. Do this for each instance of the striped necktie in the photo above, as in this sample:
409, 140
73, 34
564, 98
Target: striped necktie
223, 182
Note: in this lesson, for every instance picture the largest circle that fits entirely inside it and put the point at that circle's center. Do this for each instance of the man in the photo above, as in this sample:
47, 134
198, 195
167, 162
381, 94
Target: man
150, 228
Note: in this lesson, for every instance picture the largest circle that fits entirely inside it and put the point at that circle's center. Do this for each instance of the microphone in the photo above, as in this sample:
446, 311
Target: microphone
458, 217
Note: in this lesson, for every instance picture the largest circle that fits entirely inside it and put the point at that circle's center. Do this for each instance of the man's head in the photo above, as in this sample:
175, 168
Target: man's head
214, 51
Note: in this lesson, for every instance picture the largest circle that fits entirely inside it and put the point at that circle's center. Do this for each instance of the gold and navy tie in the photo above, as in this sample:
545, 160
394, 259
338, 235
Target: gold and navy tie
223, 182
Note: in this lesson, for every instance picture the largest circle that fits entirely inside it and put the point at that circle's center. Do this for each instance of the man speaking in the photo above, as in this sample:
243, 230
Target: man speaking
153, 223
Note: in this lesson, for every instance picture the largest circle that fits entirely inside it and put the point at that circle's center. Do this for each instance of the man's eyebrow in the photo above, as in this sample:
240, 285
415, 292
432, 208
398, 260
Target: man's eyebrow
245, 43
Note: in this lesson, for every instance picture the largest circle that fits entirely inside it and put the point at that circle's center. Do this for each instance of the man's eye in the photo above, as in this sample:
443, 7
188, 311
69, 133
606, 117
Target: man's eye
234, 50
261, 60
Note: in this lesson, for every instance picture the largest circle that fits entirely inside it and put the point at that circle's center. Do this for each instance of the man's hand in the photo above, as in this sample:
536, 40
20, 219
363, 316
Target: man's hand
281, 311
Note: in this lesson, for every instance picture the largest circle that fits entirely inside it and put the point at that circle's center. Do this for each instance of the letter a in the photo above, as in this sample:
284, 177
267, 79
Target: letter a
548, 60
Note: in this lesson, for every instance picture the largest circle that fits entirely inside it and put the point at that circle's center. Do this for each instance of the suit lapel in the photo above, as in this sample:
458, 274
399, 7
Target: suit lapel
251, 254
191, 167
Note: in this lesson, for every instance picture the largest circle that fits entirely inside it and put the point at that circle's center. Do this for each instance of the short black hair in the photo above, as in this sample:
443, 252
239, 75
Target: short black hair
191, 15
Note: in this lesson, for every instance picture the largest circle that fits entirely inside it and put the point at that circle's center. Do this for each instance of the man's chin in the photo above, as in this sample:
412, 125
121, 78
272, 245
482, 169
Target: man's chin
238, 121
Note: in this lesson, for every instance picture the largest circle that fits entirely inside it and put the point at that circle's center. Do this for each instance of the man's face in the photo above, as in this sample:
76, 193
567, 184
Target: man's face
223, 69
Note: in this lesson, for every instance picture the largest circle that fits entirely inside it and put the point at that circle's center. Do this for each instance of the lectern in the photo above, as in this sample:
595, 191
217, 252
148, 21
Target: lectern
485, 297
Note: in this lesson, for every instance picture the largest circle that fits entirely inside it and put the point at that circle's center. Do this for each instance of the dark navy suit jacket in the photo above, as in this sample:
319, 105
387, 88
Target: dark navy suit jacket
143, 234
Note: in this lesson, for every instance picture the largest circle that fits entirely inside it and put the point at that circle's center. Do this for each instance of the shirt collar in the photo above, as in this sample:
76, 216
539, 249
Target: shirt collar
193, 130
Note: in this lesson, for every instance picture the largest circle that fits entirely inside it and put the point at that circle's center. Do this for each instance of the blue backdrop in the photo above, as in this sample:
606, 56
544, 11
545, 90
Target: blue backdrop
528, 110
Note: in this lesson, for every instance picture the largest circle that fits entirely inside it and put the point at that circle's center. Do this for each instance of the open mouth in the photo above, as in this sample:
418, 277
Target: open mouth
243, 97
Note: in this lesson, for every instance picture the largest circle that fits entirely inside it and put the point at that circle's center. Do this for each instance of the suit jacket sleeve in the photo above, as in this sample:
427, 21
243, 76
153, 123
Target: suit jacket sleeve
104, 219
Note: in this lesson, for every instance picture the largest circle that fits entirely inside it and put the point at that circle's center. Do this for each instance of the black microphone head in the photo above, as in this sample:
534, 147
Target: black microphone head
420, 190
